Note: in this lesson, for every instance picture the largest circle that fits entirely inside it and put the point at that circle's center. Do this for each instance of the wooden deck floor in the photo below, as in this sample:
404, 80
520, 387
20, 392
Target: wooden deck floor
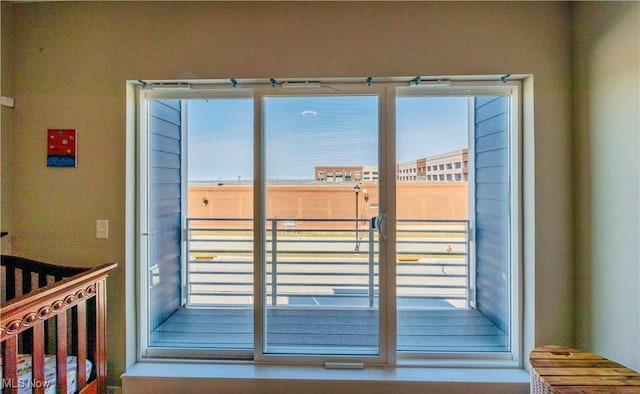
448, 330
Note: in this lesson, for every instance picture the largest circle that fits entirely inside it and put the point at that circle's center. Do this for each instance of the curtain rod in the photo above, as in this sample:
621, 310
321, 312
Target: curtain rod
320, 82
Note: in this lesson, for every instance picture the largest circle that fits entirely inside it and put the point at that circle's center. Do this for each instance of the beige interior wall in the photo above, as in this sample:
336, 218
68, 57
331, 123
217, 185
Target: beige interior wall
6, 121
607, 178
73, 58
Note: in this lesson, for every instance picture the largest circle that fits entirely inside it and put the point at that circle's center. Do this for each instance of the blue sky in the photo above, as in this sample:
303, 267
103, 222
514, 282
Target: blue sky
220, 139
302, 132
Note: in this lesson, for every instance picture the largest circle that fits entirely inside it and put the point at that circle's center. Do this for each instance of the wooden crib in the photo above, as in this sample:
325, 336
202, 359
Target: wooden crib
53, 318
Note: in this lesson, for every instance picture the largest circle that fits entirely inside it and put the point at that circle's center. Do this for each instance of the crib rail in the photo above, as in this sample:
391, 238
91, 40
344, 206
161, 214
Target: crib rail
71, 309
22, 275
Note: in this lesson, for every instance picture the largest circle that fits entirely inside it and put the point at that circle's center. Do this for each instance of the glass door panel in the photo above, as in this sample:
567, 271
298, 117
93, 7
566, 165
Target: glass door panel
432, 202
201, 165
321, 263
218, 302
453, 175
164, 203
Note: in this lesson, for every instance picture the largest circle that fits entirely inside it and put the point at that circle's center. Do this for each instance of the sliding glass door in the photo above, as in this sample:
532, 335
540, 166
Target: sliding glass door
343, 223
456, 204
321, 262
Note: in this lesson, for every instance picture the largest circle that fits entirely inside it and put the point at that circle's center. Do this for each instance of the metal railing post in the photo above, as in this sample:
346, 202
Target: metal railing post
467, 263
274, 262
187, 278
371, 267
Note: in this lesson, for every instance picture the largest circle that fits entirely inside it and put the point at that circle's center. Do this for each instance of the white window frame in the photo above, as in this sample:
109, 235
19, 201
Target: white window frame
260, 356
512, 89
388, 355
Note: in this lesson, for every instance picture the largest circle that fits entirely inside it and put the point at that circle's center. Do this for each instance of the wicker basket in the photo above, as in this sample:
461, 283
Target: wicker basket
537, 385
557, 369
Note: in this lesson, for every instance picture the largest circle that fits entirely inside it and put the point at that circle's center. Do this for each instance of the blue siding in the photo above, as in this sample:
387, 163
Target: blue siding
165, 207
492, 208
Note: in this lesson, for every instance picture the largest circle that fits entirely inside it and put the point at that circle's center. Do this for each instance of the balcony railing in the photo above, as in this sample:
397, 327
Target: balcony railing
326, 263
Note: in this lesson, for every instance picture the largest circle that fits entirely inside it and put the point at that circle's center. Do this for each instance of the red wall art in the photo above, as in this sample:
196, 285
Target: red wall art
62, 148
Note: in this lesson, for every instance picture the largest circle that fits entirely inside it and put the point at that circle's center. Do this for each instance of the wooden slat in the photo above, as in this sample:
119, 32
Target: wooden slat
101, 329
81, 334
61, 353
558, 363
596, 390
558, 356
585, 380
10, 360
585, 371
90, 388
38, 358
566, 370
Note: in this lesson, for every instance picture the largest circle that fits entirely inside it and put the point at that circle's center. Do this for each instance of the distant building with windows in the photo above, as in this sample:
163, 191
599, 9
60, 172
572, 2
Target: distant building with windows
370, 174
337, 174
446, 167
407, 171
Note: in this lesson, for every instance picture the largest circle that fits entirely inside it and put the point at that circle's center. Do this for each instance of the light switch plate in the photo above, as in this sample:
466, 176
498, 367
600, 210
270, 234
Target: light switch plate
7, 102
102, 228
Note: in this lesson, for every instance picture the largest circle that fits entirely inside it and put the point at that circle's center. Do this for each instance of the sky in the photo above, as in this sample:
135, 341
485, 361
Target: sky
304, 132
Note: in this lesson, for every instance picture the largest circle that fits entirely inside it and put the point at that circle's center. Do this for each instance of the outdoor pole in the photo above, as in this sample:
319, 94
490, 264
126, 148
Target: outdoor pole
365, 196
356, 188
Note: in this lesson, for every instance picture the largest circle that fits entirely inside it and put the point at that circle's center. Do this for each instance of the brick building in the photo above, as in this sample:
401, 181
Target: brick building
446, 167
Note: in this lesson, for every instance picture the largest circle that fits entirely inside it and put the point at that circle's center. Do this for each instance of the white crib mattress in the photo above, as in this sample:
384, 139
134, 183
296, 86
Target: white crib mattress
25, 380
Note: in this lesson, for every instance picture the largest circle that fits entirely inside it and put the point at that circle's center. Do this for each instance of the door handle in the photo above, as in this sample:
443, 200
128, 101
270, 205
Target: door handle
379, 223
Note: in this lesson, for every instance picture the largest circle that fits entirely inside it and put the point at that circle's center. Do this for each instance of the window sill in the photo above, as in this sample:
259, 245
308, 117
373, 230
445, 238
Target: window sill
165, 377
